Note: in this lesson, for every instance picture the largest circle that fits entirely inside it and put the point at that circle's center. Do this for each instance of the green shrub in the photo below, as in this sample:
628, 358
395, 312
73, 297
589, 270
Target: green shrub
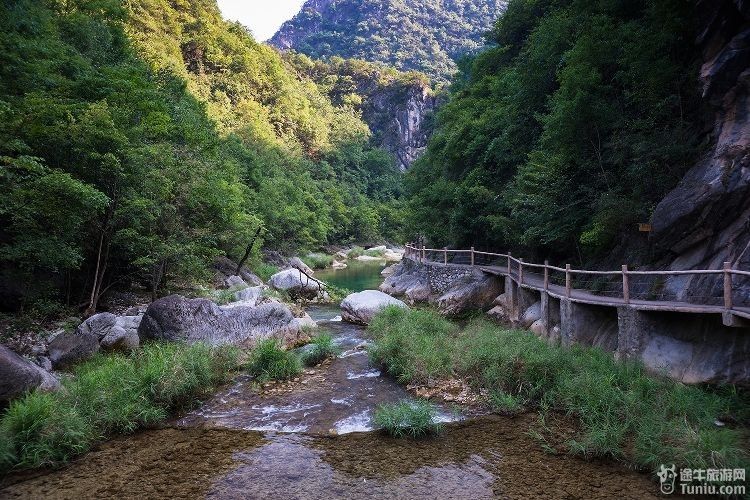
356, 252
224, 297
322, 348
374, 253
265, 271
269, 361
107, 395
318, 260
617, 404
407, 419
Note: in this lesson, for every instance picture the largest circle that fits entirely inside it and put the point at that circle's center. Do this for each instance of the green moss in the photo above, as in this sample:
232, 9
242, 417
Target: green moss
318, 260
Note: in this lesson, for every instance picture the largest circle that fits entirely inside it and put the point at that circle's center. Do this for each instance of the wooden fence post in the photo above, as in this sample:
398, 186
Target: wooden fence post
625, 284
520, 271
567, 280
509, 262
445, 255
546, 275
472, 256
424, 254
728, 285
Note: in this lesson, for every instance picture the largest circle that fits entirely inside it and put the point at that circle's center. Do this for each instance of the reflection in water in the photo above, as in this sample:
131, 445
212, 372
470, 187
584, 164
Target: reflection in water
356, 277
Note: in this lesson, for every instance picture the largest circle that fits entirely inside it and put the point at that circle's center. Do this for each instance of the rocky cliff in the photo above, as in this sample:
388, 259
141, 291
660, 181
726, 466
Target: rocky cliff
397, 106
705, 221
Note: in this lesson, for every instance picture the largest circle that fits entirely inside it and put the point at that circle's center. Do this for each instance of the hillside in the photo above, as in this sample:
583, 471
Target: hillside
397, 106
138, 142
422, 35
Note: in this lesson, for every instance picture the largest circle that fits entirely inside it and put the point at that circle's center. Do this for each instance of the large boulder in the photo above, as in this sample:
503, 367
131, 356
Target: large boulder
297, 263
176, 318
295, 283
408, 279
249, 296
19, 376
227, 268
68, 349
361, 307
531, 315
476, 292
114, 333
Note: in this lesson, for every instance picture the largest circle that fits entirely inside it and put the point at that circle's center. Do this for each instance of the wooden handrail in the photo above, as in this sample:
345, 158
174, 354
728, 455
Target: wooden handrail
624, 273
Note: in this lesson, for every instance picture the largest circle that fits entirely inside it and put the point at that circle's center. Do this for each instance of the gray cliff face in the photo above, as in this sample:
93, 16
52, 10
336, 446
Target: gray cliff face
405, 130
705, 221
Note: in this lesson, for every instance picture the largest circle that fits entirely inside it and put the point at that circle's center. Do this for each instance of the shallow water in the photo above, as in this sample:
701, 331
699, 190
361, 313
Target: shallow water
307, 440
356, 277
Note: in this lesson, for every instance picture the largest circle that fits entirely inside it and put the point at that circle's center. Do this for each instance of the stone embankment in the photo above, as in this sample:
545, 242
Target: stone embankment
690, 347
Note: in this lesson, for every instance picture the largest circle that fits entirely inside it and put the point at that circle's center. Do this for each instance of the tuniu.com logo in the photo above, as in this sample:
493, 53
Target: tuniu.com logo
724, 482
667, 478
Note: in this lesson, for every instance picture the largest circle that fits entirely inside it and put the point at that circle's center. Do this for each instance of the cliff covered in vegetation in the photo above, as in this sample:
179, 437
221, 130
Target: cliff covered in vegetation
423, 35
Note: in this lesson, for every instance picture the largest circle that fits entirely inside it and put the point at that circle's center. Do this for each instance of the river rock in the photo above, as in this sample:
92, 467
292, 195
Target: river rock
369, 258
235, 282
68, 349
538, 329
361, 307
339, 265
531, 315
296, 283
297, 263
499, 313
176, 318
475, 292
306, 322
227, 268
249, 296
123, 336
393, 256
19, 376
407, 277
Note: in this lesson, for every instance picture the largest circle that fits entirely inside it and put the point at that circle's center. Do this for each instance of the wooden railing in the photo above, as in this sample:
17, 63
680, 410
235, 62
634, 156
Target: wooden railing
625, 285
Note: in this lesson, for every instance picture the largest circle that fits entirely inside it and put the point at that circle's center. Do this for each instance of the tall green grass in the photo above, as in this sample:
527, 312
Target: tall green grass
623, 411
108, 395
407, 419
318, 260
264, 270
269, 361
321, 348
356, 252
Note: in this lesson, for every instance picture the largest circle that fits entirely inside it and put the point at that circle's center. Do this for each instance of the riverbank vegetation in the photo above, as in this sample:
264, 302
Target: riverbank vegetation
321, 347
270, 361
622, 412
413, 419
567, 132
109, 395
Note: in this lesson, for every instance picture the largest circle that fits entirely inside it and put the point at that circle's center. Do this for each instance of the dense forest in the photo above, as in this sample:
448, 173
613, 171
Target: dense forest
564, 135
139, 140
423, 35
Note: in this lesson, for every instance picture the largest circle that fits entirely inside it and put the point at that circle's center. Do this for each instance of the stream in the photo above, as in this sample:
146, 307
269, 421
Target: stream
313, 438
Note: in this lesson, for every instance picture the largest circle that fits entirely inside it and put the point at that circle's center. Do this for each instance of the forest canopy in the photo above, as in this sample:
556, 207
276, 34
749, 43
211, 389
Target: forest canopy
564, 135
140, 140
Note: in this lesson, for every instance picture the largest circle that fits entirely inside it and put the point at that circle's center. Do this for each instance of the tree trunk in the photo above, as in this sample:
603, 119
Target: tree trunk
248, 251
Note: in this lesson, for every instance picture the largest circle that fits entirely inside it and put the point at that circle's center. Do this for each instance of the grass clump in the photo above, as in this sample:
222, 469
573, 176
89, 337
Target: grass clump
623, 412
321, 348
318, 260
269, 361
372, 252
264, 271
407, 419
413, 347
356, 252
108, 395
